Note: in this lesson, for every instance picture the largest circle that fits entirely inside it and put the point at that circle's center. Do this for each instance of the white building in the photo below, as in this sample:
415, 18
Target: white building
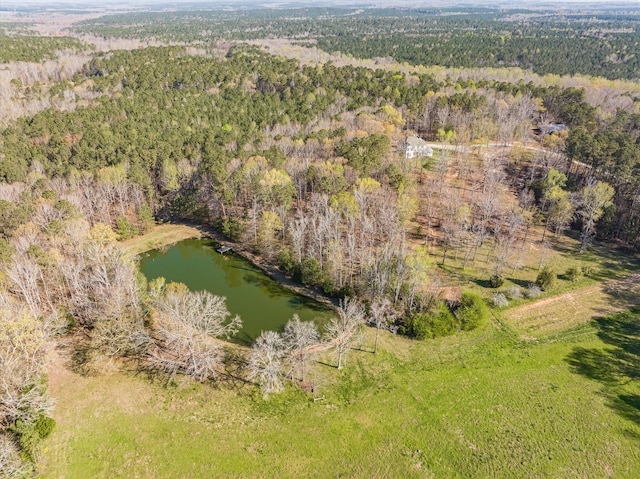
416, 147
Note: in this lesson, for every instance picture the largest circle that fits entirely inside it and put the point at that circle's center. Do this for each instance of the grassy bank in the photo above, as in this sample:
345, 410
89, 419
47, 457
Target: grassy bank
477, 405
159, 237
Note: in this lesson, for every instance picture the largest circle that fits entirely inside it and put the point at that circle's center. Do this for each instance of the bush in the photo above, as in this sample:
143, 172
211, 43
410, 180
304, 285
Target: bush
575, 273
499, 300
533, 291
31, 434
496, 281
432, 324
589, 270
514, 292
286, 261
547, 279
309, 272
472, 312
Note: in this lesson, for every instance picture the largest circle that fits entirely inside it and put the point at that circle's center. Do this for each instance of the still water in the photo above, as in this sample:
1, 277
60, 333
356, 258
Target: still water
262, 303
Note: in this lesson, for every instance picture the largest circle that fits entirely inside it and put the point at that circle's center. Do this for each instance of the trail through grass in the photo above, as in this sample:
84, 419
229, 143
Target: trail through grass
564, 311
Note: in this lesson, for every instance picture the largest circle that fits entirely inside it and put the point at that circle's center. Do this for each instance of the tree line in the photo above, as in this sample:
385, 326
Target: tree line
304, 165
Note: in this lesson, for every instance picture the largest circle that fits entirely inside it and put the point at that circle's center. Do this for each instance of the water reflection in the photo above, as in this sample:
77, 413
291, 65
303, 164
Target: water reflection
262, 303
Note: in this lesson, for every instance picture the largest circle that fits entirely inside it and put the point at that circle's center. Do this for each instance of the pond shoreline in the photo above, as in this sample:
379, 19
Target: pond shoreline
187, 230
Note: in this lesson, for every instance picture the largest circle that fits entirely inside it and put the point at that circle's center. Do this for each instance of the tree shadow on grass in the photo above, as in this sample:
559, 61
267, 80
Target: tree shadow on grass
617, 365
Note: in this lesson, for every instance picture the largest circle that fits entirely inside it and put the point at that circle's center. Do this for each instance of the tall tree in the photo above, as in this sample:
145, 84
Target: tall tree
594, 198
298, 337
266, 362
341, 329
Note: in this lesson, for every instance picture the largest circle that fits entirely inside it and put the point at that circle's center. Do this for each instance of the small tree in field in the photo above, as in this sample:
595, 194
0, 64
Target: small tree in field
547, 279
341, 329
298, 336
266, 362
379, 317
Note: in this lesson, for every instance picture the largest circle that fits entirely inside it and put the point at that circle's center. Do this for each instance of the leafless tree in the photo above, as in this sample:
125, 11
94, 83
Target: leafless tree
341, 329
24, 346
379, 310
298, 337
266, 362
187, 328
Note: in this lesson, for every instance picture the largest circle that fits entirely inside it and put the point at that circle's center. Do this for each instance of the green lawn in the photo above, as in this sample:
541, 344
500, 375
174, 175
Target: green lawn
481, 404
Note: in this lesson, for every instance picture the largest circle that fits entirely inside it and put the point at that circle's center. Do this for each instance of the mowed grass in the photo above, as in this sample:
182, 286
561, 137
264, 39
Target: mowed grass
483, 404
557, 313
160, 236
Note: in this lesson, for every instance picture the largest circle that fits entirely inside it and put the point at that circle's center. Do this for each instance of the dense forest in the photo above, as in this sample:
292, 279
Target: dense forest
304, 165
597, 44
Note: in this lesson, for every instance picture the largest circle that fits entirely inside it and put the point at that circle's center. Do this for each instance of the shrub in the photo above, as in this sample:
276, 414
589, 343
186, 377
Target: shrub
533, 291
286, 261
30, 434
575, 273
589, 270
472, 312
499, 300
309, 272
496, 281
547, 279
514, 292
437, 322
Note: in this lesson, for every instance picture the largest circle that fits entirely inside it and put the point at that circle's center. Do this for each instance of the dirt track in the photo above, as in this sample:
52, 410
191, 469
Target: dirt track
556, 313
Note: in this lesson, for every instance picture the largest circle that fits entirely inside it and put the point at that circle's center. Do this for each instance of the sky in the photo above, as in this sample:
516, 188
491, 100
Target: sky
4, 4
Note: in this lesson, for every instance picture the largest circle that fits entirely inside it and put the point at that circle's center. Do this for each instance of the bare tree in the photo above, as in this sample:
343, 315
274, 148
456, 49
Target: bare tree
188, 325
11, 464
266, 362
23, 348
298, 337
341, 329
379, 317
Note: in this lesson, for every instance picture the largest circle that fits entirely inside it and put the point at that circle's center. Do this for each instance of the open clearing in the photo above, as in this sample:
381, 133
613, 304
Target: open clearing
481, 405
160, 236
557, 313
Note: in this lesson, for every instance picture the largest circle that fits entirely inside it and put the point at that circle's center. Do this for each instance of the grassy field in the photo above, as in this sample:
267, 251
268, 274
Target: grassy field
558, 313
160, 236
482, 404
605, 261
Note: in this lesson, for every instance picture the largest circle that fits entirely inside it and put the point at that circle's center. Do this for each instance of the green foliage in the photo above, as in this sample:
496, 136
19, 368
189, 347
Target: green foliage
49, 195
547, 279
145, 218
6, 250
496, 281
472, 311
33, 48
31, 433
12, 216
232, 228
125, 229
287, 262
575, 273
437, 322
309, 272
365, 154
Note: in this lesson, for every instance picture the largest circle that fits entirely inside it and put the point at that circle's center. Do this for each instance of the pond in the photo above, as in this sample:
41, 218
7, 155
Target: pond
261, 302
